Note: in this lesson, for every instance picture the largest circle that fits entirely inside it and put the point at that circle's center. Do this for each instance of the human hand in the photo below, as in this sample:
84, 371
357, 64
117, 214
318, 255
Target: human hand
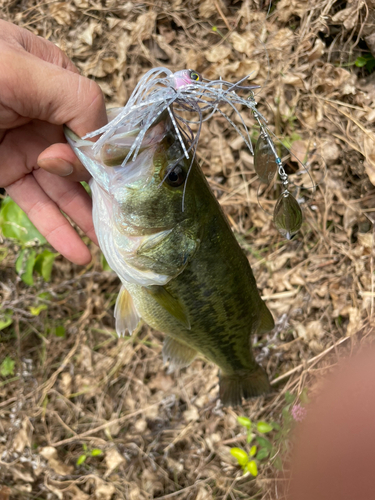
40, 90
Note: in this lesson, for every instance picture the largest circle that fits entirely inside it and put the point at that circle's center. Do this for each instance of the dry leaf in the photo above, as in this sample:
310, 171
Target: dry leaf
65, 384
207, 8
218, 53
369, 164
243, 43
317, 51
366, 239
282, 41
113, 459
161, 382
21, 439
203, 494
144, 27
62, 12
288, 8
191, 415
296, 80
50, 454
20, 474
77, 493
354, 319
103, 490
349, 16
150, 482
87, 36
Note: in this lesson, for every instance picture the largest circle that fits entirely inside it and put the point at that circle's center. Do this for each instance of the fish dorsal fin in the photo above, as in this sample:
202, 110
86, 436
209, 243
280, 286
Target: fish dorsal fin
178, 354
266, 320
169, 303
126, 315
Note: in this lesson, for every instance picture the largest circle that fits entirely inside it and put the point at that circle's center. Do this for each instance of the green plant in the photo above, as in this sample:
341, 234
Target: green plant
7, 367
95, 452
270, 450
367, 61
33, 256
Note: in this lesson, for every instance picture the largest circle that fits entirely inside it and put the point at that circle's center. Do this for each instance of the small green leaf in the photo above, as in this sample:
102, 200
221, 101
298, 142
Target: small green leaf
3, 253
262, 454
7, 367
28, 263
241, 456
370, 65
19, 261
246, 422
250, 436
253, 450
35, 311
276, 426
252, 468
96, 452
81, 459
361, 61
278, 463
264, 443
84, 447
289, 397
15, 224
5, 321
59, 331
263, 427
44, 263
104, 263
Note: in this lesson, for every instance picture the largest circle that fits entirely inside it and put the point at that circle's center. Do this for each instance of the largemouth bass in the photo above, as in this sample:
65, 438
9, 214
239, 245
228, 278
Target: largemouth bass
164, 233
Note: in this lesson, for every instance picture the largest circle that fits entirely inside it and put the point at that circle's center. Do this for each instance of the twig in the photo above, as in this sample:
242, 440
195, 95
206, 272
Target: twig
103, 426
309, 362
218, 8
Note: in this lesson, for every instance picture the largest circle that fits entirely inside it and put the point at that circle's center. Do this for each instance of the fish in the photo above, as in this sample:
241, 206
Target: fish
162, 230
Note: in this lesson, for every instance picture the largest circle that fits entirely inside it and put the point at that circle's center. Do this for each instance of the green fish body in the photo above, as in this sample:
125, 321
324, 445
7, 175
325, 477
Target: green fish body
181, 267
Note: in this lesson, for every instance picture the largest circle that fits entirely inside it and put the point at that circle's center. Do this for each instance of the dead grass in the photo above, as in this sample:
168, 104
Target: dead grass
165, 436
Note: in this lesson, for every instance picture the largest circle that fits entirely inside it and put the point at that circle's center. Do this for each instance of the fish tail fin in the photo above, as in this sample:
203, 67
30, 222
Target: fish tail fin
266, 322
243, 384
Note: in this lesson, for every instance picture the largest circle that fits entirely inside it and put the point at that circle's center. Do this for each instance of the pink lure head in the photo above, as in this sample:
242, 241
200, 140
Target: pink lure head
185, 77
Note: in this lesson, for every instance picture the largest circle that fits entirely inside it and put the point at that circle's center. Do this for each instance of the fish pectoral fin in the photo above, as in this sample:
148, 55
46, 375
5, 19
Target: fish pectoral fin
169, 303
125, 314
243, 384
266, 320
179, 355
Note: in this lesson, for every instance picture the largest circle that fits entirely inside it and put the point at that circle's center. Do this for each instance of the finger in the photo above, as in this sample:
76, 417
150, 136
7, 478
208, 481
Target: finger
48, 219
38, 46
71, 198
59, 159
20, 148
50, 93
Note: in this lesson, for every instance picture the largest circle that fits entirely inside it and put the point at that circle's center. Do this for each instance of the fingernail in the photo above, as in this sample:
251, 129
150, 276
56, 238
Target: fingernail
56, 166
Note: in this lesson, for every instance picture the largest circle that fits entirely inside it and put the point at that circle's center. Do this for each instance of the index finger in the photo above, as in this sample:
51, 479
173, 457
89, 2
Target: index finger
49, 92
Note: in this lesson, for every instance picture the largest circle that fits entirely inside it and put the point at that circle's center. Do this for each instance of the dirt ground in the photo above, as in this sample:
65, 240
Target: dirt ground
161, 435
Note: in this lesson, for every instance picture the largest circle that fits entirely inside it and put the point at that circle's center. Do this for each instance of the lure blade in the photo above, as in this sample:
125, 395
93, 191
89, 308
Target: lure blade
287, 215
264, 160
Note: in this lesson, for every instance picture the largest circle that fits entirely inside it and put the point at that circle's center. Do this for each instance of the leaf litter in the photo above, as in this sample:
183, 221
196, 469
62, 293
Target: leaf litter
165, 435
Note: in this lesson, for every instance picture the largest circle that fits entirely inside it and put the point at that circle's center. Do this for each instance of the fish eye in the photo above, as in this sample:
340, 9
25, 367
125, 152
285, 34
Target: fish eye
176, 176
195, 76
